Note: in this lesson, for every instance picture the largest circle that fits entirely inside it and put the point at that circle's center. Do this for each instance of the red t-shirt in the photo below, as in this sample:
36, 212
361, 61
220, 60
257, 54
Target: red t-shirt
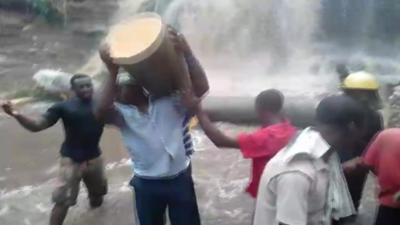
261, 146
383, 156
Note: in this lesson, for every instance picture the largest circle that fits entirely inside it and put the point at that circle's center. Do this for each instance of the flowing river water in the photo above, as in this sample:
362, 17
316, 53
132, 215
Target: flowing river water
284, 46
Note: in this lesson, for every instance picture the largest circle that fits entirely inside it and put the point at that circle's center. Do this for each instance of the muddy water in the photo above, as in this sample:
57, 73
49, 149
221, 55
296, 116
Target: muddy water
28, 168
28, 162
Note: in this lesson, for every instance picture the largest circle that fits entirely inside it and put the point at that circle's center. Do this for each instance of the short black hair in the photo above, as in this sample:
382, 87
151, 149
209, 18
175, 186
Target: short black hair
340, 110
75, 77
270, 100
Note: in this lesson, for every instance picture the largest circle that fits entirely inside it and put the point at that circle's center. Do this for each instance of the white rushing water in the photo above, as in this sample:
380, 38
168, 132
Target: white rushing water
273, 42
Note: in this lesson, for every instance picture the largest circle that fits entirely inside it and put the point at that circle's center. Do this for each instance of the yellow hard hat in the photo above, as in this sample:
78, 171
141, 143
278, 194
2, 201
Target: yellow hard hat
360, 81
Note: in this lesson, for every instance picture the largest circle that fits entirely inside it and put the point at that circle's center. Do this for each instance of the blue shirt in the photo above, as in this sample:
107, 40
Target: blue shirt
157, 141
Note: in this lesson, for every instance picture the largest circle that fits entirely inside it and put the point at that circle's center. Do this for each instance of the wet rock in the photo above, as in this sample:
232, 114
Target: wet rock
53, 81
394, 103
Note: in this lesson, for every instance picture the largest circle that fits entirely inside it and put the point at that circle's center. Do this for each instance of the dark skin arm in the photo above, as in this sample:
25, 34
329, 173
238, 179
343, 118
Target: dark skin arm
196, 71
107, 95
356, 165
29, 123
213, 133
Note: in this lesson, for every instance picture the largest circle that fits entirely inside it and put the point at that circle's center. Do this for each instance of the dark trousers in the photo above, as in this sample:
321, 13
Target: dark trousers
153, 197
388, 216
356, 183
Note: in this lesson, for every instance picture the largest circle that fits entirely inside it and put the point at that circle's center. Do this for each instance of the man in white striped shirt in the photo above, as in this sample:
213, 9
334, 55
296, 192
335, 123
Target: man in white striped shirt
155, 133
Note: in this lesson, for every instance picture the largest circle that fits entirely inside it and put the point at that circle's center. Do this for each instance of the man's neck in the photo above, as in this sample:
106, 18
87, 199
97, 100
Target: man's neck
142, 103
83, 100
273, 120
328, 154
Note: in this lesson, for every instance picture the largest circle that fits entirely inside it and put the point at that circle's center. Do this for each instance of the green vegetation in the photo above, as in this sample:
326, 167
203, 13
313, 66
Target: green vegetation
50, 10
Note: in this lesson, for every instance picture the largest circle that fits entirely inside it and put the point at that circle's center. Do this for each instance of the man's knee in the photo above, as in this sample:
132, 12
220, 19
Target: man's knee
62, 197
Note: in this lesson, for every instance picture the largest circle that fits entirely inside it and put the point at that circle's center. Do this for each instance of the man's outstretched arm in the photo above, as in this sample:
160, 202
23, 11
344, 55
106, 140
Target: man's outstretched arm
29, 123
213, 133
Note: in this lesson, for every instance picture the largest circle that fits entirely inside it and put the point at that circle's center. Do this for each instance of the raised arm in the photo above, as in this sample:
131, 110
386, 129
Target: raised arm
213, 133
30, 123
196, 71
108, 91
197, 74
195, 85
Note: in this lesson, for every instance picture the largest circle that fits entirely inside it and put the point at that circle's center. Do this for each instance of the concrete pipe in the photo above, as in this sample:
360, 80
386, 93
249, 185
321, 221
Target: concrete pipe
300, 110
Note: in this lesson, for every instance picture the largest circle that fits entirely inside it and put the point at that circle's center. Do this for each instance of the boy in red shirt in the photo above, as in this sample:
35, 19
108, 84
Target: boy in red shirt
261, 145
383, 158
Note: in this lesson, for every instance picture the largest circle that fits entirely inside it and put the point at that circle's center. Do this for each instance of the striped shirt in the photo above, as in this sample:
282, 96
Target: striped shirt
187, 137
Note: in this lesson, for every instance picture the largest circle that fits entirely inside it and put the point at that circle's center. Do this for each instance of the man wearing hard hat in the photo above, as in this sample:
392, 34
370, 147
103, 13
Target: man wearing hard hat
364, 88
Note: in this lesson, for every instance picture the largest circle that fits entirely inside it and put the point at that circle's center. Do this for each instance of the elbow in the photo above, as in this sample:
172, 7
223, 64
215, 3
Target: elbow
218, 143
202, 89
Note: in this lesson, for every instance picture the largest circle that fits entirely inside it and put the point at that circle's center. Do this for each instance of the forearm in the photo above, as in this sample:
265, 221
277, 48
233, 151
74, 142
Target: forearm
214, 134
31, 124
106, 96
197, 75
184, 84
356, 166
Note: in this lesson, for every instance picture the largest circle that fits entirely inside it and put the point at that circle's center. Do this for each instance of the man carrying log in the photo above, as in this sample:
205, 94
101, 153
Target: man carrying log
155, 131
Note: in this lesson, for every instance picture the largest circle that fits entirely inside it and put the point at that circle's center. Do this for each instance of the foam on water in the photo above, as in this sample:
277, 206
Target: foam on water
4, 210
119, 164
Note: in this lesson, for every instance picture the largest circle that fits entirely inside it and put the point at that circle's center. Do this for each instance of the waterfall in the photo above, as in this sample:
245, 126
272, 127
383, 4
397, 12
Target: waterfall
280, 28
276, 43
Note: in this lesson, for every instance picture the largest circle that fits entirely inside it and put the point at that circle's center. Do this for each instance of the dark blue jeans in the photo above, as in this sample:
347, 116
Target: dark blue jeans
154, 196
388, 216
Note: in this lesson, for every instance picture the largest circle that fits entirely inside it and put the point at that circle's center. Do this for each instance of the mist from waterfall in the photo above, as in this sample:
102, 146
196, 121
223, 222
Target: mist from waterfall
280, 42
277, 30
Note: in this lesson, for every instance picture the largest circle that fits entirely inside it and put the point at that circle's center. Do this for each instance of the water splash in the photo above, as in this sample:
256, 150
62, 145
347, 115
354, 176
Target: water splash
272, 42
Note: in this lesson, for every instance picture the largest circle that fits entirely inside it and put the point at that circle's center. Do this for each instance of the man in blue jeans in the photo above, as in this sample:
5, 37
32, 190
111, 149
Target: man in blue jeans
156, 135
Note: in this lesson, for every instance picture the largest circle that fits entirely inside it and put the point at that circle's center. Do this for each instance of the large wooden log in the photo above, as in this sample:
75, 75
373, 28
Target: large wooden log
299, 109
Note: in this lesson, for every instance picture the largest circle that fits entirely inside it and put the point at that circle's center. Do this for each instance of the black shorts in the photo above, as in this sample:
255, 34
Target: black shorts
388, 216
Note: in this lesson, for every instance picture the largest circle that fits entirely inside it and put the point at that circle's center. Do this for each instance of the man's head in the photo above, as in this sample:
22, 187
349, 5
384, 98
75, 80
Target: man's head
363, 87
340, 121
342, 71
82, 85
128, 89
269, 104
